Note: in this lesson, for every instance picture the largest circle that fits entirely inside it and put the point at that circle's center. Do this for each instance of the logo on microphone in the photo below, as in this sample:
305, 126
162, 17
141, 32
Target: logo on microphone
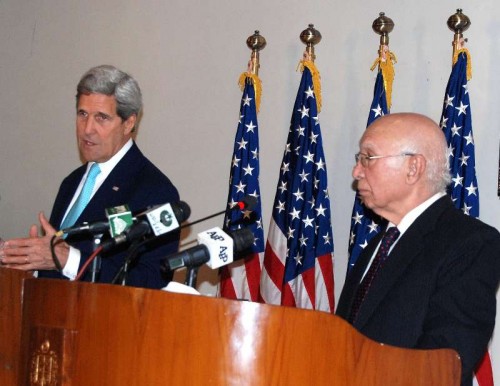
166, 218
120, 218
162, 219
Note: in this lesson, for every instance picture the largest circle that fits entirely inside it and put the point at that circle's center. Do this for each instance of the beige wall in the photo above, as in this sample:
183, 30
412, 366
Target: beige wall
187, 56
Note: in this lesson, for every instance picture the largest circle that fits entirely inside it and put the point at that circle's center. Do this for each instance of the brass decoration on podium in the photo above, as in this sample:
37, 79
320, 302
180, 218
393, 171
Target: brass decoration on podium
49, 361
44, 366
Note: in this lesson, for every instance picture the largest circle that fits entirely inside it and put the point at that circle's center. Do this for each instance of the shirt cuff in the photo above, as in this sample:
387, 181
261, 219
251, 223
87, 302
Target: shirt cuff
70, 270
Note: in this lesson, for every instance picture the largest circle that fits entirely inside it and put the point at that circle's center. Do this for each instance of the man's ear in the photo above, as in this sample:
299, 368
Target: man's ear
130, 124
416, 168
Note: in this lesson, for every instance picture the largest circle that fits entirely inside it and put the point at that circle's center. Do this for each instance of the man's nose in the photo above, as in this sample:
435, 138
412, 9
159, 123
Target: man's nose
358, 171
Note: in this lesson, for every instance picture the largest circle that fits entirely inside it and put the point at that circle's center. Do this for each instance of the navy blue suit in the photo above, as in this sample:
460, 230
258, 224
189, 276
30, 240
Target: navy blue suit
437, 288
134, 181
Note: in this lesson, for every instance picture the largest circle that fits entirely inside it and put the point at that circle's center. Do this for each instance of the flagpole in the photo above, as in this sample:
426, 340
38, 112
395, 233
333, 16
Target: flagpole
310, 37
256, 43
458, 23
365, 224
383, 26
241, 279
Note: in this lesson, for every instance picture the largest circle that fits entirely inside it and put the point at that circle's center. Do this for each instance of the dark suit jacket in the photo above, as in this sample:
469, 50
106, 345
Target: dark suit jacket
437, 288
134, 181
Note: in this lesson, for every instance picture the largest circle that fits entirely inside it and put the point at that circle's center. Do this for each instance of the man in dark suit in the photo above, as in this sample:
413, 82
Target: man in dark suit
435, 286
109, 103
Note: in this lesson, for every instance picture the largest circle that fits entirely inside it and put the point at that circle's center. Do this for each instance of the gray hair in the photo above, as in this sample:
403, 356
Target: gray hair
438, 169
436, 155
109, 80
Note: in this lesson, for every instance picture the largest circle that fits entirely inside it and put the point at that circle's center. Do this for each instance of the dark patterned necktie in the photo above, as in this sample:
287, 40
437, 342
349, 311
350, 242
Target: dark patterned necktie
390, 236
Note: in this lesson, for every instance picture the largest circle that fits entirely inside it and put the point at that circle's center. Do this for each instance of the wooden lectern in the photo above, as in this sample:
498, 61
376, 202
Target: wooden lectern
97, 334
11, 297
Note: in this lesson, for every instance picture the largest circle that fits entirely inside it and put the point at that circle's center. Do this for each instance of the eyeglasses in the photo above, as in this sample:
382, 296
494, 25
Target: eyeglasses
365, 158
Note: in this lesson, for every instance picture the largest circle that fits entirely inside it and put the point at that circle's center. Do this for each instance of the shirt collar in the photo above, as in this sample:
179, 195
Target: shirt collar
413, 214
107, 166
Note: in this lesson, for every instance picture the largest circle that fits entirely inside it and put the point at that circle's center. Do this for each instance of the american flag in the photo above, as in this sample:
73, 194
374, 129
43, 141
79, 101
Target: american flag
364, 222
241, 279
456, 122
298, 262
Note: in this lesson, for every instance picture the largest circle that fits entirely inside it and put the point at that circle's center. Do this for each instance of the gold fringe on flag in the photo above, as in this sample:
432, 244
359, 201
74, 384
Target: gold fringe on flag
315, 78
385, 63
469, 60
257, 84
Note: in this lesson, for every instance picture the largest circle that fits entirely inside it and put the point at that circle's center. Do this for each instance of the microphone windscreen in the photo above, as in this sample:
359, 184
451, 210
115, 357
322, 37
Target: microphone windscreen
248, 203
181, 210
242, 239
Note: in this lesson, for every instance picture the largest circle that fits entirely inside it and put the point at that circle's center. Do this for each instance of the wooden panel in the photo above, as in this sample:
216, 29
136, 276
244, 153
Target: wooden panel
11, 287
132, 336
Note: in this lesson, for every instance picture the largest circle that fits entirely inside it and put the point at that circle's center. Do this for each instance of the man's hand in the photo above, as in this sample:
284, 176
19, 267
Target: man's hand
33, 252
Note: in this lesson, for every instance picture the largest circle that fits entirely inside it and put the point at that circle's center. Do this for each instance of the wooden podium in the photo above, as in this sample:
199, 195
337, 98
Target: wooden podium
11, 297
97, 334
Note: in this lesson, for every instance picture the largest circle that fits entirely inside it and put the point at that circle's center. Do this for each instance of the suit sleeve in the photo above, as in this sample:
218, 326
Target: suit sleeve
462, 309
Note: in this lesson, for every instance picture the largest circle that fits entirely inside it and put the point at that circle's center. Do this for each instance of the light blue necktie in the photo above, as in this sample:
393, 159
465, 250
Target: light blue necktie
83, 198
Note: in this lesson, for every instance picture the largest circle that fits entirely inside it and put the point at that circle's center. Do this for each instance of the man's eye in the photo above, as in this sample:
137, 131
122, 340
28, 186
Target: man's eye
81, 114
101, 117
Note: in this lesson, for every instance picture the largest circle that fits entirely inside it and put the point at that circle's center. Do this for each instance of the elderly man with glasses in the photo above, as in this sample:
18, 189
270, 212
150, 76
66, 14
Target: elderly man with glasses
430, 279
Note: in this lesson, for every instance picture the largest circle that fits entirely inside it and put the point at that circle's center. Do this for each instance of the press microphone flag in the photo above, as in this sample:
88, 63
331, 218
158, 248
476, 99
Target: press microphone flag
215, 247
120, 218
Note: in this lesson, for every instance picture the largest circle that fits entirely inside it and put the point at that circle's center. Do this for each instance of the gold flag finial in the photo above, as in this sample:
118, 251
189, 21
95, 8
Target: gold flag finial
310, 37
459, 23
256, 43
383, 26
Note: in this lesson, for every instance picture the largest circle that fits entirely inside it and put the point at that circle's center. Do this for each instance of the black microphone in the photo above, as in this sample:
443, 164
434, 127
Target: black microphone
95, 228
158, 220
246, 203
216, 248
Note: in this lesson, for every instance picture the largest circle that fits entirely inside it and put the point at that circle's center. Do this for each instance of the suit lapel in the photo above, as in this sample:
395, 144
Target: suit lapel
65, 194
354, 278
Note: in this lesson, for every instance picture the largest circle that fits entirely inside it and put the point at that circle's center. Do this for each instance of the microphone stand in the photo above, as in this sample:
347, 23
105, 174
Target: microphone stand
96, 264
191, 276
121, 275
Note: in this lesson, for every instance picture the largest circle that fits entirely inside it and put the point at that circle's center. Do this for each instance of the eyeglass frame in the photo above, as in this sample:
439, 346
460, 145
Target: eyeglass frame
365, 159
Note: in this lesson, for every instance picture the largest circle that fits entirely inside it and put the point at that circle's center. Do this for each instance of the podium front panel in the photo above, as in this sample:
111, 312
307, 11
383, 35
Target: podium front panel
113, 335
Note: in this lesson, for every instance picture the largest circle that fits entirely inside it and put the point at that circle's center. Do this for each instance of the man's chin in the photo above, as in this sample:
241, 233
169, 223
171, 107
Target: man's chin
366, 200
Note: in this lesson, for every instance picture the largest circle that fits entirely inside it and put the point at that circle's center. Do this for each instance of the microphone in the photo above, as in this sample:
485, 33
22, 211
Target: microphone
122, 216
96, 227
158, 220
215, 247
246, 203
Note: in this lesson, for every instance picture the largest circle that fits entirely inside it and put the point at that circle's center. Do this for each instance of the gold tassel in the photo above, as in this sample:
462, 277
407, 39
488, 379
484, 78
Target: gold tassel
469, 61
316, 78
257, 84
385, 63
